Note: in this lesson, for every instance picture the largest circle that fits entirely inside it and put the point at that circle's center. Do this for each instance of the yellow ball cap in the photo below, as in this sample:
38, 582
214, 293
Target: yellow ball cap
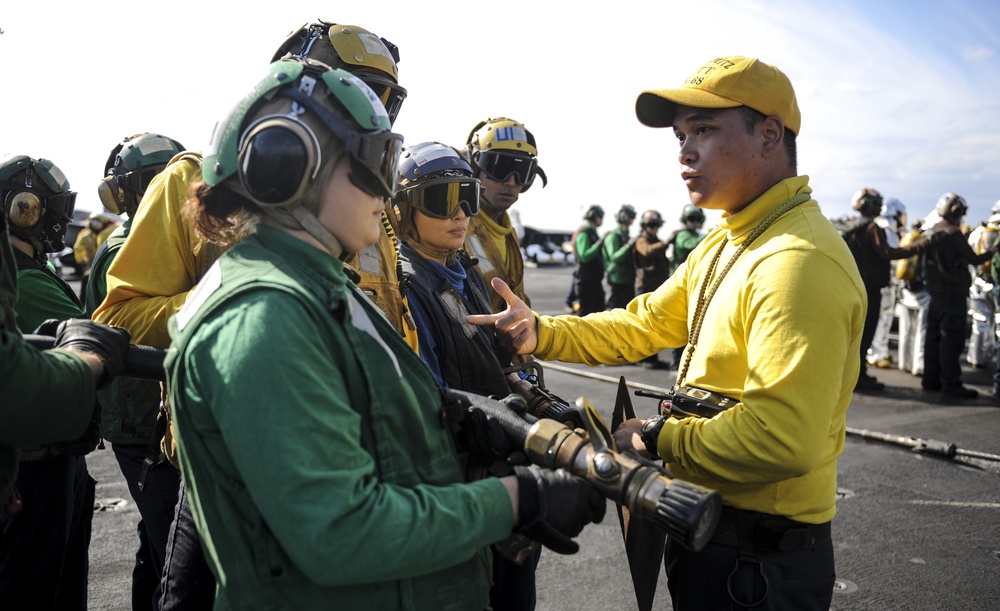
725, 82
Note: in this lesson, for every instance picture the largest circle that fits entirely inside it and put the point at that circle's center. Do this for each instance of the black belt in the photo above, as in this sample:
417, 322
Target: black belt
771, 533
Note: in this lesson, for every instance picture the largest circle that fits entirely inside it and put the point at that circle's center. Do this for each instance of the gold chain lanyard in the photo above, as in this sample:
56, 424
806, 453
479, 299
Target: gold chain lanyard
704, 299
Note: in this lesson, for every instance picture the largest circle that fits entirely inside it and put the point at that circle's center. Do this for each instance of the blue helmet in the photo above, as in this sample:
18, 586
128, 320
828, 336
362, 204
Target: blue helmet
436, 179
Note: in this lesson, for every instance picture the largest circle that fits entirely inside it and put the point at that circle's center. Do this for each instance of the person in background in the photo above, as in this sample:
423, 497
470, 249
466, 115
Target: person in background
504, 156
142, 298
948, 280
342, 484
588, 272
651, 266
46, 544
130, 405
745, 301
873, 250
892, 219
911, 311
99, 227
682, 241
617, 253
981, 346
687, 238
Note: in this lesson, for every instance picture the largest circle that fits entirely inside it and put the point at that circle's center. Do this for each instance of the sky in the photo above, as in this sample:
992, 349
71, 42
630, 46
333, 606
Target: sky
900, 96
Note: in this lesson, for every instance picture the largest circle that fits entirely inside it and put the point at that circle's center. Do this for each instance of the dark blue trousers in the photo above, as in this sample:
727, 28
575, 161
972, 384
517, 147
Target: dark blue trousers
187, 583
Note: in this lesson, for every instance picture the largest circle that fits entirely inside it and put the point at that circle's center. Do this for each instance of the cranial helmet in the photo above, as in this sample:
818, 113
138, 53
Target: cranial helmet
626, 214
437, 180
370, 58
593, 213
692, 213
130, 168
951, 205
300, 119
651, 218
37, 201
501, 147
868, 202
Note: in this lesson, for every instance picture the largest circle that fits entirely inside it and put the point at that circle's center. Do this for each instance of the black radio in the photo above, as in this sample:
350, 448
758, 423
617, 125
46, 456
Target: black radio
690, 401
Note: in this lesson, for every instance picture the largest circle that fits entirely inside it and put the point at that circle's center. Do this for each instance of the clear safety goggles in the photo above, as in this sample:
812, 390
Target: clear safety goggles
441, 198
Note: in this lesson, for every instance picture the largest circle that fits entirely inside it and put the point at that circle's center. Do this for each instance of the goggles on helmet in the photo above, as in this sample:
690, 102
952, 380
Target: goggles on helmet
499, 166
441, 198
391, 94
59, 206
374, 155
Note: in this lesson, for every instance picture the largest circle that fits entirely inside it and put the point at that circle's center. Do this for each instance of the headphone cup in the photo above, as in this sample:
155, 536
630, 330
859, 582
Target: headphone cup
278, 159
111, 195
24, 209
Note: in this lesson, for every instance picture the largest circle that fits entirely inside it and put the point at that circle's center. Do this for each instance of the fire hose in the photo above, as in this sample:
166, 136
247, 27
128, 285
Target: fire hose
682, 510
685, 511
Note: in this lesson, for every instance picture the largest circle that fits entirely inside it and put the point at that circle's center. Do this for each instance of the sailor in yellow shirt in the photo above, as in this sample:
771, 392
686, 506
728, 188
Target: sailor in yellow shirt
771, 307
504, 157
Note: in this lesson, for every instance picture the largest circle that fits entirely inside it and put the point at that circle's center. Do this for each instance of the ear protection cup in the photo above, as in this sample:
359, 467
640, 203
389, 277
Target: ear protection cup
111, 195
278, 158
24, 209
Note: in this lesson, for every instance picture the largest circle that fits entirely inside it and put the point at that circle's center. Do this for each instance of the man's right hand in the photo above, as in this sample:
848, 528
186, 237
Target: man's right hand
516, 325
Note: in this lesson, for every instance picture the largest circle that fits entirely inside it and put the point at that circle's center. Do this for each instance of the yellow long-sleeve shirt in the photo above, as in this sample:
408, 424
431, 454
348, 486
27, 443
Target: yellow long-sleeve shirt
161, 261
780, 335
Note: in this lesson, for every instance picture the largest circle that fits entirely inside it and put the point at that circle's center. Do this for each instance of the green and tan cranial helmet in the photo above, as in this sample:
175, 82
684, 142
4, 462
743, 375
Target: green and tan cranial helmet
355, 49
37, 201
503, 147
278, 145
130, 168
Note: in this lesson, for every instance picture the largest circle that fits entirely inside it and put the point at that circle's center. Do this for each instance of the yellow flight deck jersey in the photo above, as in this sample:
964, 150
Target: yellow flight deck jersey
499, 253
780, 335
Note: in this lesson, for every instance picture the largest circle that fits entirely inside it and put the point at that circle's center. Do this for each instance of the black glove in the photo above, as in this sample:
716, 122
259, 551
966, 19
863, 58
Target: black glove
109, 343
484, 438
48, 328
554, 506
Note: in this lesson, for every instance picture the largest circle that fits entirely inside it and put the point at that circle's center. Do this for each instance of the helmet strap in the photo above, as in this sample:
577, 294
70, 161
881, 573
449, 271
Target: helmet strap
449, 256
311, 225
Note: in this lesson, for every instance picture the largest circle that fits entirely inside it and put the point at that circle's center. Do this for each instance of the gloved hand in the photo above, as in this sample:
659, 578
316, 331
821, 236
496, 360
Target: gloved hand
48, 328
554, 506
484, 438
110, 344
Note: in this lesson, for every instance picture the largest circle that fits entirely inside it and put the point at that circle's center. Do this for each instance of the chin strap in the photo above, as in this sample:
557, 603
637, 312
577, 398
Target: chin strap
448, 255
308, 221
